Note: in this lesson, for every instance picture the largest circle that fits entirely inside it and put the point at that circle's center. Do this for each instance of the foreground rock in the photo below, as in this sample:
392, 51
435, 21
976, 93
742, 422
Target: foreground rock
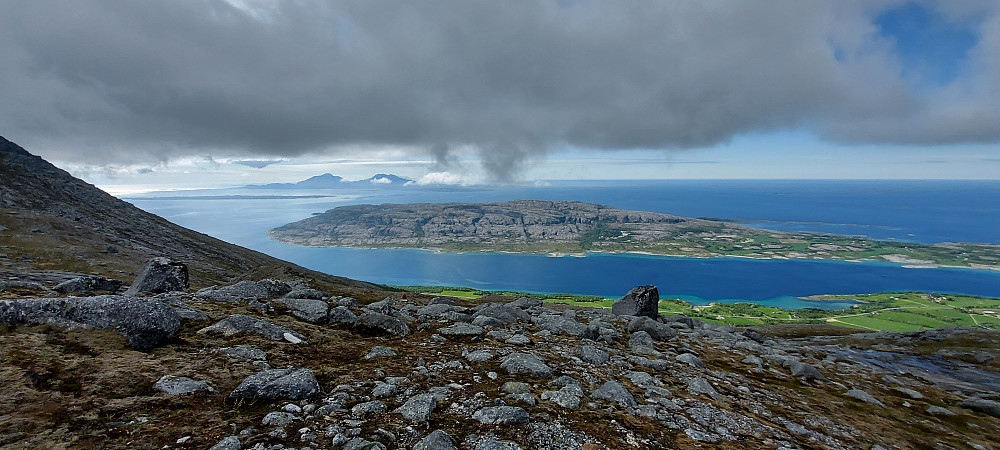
160, 275
291, 384
640, 301
146, 323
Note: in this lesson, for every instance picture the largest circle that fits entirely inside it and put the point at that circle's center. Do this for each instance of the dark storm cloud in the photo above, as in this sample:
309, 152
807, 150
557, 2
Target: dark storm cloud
137, 81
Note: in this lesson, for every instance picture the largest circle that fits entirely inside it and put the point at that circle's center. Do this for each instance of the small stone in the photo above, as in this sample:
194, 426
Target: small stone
518, 339
858, 394
378, 351
368, 409
939, 411
278, 419
479, 356
515, 387
691, 360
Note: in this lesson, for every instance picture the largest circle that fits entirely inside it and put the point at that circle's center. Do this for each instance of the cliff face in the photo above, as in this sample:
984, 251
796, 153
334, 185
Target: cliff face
524, 221
55, 221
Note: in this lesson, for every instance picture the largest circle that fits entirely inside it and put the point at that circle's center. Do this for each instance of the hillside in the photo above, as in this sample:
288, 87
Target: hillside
50, 220
536, 226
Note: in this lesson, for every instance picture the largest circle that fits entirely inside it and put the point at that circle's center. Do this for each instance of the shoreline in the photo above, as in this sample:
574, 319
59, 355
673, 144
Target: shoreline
584, 254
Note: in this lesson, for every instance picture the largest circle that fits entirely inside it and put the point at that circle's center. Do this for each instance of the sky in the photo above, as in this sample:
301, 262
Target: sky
186, 94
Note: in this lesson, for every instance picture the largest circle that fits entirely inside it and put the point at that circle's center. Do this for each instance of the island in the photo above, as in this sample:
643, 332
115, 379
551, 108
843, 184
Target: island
575, 228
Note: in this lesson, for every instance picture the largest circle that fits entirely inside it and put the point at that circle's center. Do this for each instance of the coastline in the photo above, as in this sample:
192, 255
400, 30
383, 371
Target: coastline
642, 253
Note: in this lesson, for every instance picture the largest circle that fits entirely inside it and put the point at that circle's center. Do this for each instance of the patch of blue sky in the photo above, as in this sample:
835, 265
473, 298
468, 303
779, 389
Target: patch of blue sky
931, 48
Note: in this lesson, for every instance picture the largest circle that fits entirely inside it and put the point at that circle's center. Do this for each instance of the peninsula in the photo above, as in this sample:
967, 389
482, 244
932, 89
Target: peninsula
564, 227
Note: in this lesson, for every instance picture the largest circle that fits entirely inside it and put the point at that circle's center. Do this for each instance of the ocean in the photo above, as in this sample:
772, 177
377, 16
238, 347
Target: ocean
914, 211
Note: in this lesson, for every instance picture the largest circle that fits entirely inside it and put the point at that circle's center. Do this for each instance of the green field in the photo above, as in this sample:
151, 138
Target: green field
889, 311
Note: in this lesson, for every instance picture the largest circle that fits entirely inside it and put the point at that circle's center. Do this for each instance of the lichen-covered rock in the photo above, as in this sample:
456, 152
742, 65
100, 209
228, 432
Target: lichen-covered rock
613, 391
244, 352
160, 275
462, 329
981, 405
382, 324
146, 323
239, 323
858, 394
501, 415
527, 364
244, 291
658, 331
593, 355
228, 443
292, 384
640, 301
88, 284
418, 408
173, 385
309, 310
437, 440
341, 314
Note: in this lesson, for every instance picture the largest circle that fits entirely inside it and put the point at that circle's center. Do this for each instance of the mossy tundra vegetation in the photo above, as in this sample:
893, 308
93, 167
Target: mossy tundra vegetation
257, 353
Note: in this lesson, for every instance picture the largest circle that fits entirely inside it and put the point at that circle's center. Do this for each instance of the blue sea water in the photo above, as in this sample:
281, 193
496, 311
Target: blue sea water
916, 211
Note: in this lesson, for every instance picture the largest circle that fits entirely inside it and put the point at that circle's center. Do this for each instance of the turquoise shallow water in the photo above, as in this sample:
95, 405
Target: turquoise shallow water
913, 211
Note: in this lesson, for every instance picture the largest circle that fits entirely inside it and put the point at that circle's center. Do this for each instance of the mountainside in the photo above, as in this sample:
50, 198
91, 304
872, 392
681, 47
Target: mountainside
302, 360
536, 226
53, 221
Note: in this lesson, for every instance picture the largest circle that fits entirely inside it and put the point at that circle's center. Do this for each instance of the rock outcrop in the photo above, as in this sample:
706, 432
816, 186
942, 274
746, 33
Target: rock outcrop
640, 301
160, 275
146, 323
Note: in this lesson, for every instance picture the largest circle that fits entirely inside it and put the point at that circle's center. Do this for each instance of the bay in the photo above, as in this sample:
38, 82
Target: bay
918, 211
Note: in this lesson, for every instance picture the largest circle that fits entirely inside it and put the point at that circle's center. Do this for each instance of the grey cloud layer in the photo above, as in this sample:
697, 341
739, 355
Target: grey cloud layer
103, 81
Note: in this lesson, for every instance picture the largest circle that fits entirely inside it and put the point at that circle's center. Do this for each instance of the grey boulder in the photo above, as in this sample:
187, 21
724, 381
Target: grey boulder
462, 329
525, 363
438, 440
501, 415
244, 291
658, 331
613, 391
292, 384
160, 275
309, 310
418, 408
341, 314
379, 323
146, 323
239, 323
640, 301
172, 385
228, 443
88, 284
981, 405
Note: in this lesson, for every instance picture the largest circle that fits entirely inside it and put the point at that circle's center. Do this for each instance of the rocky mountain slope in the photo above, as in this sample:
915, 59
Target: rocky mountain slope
50, 220
284, 358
